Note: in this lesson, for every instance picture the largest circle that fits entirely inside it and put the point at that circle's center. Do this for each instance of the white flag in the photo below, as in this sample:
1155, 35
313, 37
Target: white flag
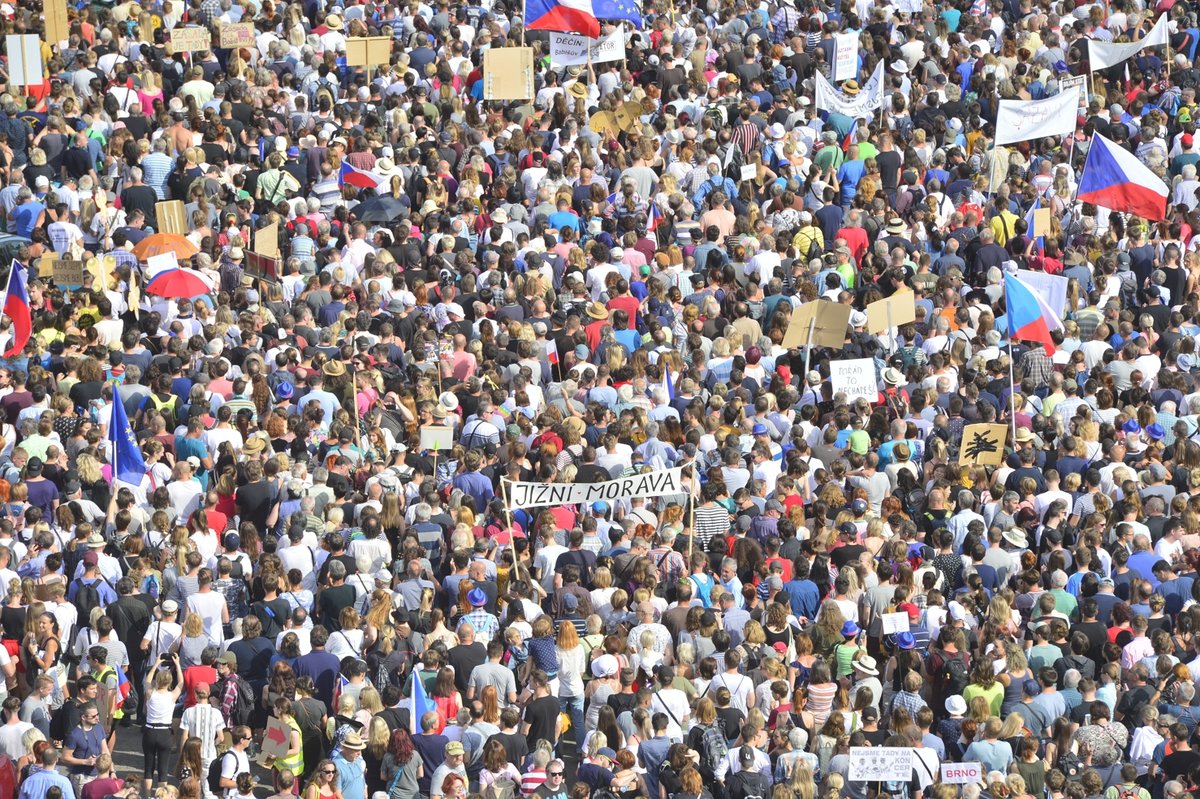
1102, 55
1022, 120
827, 98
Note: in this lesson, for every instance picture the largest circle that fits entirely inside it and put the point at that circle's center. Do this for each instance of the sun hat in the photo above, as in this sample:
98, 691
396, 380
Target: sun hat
354, 741
849, 629
866, 665
906, 640
956, 705
477, 597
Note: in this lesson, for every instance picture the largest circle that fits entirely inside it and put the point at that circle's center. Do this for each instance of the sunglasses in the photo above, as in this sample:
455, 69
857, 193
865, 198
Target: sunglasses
554, 774
328, 771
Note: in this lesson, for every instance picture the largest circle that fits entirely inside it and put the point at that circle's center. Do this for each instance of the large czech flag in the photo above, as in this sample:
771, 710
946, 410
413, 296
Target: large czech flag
1030, 318
571, 16
1114, 178
16, 308
358, 177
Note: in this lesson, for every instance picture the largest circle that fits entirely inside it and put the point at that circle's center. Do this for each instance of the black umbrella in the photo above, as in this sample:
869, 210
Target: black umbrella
385, 208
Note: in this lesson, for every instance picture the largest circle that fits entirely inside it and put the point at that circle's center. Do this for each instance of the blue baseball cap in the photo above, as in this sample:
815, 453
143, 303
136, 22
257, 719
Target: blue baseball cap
600, 507
760, 429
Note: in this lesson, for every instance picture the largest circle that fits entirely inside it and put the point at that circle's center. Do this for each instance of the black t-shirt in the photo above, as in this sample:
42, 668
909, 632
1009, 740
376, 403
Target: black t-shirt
515, 746
747, 783
844, 556
464, 658
730, 719
1179, 764
621, 702
254, 503
333, 601
889, 169
542, 717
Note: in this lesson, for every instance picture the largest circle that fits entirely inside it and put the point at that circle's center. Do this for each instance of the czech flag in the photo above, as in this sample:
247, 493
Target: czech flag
568, 16
1114, 178
851, 136
16, 308
123, 686
418, 703
1040, 241
655, 219
1029, 316
358, 177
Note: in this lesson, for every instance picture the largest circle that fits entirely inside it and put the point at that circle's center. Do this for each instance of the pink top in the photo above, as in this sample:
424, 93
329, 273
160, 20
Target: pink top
147, 99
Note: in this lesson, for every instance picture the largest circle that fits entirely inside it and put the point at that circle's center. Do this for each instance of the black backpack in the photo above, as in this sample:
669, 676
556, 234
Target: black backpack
59, 722
954, 675
214, 775
86, 599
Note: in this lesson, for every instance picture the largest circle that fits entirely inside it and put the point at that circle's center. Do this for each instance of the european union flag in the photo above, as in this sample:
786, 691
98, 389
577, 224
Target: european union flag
126, 456
618, 9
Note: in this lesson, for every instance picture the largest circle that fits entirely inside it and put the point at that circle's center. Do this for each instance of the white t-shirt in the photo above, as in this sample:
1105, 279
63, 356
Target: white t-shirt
674, 703
210, 606
161, 635
740, 687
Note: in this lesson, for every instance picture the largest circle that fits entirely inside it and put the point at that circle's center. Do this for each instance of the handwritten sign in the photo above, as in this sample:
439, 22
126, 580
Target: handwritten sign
240, 34
69, 272
845, 59
57, 27
571, 49
437, 437
983, 444
880, 763
161, 263
895, 623
962, 773
856, 378
190, 40
749, 172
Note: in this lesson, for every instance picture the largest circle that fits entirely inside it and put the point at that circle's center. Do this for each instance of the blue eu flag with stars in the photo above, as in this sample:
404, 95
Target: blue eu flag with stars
127, 463
618, 9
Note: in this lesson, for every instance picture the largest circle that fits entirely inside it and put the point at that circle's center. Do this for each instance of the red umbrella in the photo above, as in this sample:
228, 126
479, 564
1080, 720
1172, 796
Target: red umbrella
175, 283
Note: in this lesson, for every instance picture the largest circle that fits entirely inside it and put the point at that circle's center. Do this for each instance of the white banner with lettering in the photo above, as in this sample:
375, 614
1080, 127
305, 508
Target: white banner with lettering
1102, 55
866, 102
855, 377
571, 50
661, 483
1022, 120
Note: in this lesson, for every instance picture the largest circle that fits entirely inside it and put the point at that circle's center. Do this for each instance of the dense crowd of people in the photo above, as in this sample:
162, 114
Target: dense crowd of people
318, 584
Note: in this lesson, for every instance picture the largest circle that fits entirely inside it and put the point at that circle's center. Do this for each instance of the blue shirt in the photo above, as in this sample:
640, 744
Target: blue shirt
563, 219
103, 589
25, 217
351, 776
42, 780
475, 485
83, 745
848, 176
805, 597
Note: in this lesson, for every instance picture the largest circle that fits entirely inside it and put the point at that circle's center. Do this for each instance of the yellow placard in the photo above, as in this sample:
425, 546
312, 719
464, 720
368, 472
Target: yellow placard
898, 309
508, 73
827, 320
57, 28
368, 51
170, 217
239, 34
191, 40
983, 444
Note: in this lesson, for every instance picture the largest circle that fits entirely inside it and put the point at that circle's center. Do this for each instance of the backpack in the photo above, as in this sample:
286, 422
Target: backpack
214, 775
86, 599
58, 722
713, 748
506, 788
243, 706
953, 675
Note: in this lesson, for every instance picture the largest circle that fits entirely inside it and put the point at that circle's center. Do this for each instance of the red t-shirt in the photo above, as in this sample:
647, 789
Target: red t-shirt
629, 305
193, 676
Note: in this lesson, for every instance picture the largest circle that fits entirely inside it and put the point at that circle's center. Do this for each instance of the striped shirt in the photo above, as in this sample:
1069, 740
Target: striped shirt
156, 168
328, 192
746, 136
710, 521
203, 722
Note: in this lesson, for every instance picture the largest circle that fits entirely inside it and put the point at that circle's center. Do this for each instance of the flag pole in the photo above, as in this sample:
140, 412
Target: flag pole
1012, 390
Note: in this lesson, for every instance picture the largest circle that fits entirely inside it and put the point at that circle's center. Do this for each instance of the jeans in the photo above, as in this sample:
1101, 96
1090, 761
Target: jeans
574, 706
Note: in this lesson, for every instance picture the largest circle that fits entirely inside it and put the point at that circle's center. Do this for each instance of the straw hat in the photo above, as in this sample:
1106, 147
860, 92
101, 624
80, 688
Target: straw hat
333, 22
596, 310
334, 368
254, 445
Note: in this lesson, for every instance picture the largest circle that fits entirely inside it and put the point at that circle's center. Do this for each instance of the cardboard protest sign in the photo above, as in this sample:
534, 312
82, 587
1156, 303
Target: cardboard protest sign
170, 217
57, 27
266, 240
508, 73
983, 444
828, 321
275, 738
69, 272
191, 40
239, 34
368, 51
628, 117
898, 309
604, 123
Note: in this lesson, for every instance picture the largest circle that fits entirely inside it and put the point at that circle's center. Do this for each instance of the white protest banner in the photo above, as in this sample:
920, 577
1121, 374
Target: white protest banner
856, 378
653, 484
866, 102
895, 622
1022, 120
880, 763
1053, 288
962, 773
435, 437
749, 172
571, 50
1102, 55
845, 59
